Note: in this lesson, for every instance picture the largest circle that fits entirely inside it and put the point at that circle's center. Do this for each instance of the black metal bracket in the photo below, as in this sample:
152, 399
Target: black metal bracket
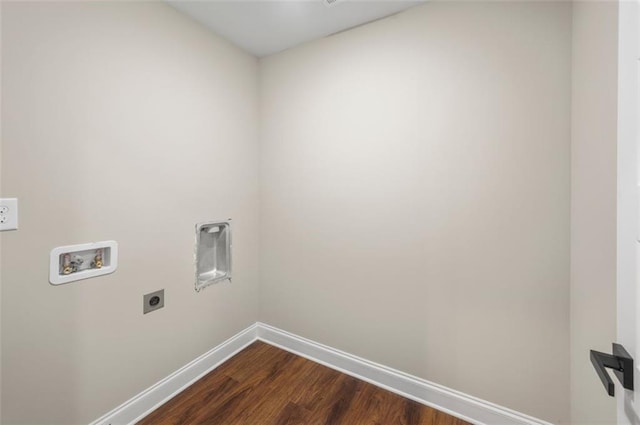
621, 363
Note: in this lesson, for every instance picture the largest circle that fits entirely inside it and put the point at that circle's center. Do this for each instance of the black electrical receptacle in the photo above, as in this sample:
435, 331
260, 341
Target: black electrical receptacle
153, 301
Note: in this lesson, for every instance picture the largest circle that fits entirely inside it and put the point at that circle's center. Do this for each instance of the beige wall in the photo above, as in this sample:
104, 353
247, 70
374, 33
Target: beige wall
0, 236
423, 224
102, 103
593, 199
415, 197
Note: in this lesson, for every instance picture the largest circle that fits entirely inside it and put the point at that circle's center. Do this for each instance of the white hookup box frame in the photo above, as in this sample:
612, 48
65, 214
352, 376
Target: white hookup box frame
83, 254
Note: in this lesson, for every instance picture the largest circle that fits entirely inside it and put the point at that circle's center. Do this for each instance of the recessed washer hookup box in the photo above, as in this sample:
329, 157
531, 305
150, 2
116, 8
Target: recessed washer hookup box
83, 261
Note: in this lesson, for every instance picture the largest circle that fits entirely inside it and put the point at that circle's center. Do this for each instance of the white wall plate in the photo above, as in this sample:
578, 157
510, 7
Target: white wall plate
8, 214
83, 256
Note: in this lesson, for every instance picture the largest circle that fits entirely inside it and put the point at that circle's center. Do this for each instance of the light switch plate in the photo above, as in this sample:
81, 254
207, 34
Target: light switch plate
8, 214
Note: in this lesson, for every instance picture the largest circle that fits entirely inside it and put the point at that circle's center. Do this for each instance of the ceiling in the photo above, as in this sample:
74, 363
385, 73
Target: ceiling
264, 27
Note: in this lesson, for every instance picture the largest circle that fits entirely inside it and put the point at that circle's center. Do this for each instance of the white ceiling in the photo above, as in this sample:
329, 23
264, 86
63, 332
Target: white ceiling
264, 27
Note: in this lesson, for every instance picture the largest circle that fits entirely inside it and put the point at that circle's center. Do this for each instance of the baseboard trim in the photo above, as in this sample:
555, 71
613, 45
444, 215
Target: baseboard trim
153, 397
455, 403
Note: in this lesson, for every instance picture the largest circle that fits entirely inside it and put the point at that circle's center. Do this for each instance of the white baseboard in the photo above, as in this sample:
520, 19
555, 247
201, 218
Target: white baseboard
455, 403
153, 397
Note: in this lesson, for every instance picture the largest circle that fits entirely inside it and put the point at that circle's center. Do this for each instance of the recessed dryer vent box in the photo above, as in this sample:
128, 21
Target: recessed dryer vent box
76, 262
213, 253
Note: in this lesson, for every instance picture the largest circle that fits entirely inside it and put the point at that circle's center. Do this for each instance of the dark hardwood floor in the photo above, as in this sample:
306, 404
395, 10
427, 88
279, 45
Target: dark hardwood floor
264, 385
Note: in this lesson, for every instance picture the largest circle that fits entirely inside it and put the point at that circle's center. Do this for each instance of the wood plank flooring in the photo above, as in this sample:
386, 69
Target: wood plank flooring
264, 385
